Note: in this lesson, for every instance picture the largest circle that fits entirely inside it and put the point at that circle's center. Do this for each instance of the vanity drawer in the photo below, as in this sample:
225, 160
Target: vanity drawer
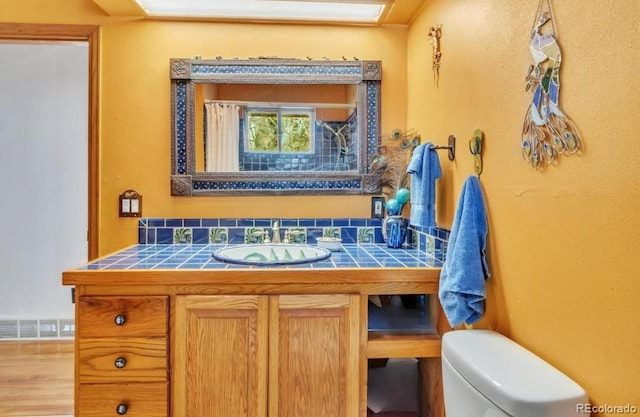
122, 316
140, 400
121, 360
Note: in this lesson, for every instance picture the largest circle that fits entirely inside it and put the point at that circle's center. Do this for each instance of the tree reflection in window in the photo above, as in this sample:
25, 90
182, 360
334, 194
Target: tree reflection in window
280, 130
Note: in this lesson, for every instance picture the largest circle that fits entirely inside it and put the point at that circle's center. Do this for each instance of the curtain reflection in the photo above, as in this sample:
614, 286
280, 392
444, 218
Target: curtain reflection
222, 138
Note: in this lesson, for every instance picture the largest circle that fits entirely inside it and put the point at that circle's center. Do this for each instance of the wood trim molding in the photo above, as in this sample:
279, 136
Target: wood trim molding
53, 32
89, 34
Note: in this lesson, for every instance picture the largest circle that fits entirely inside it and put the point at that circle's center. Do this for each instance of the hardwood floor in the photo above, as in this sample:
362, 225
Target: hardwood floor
36, 378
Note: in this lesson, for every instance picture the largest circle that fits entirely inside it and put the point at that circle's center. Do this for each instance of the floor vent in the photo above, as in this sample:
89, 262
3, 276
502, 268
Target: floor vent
37, 329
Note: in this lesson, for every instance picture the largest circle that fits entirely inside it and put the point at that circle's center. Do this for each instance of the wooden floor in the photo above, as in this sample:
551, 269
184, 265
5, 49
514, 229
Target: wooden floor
36, 378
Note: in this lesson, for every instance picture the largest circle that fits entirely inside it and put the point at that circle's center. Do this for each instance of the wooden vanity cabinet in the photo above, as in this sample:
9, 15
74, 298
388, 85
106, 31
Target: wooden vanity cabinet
121, 363
238, 342
267, 355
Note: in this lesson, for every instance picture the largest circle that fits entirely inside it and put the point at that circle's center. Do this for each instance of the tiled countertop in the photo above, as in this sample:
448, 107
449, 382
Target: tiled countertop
199, 257
363, 268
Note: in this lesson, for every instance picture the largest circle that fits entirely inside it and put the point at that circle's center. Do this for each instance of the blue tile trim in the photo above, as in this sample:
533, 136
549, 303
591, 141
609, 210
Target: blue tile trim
228, 222
277, 185
174, 222
153, 222
192, 222
432, 241
275, 69
298, 222
373, 112
339, 222
251, 222
181, 127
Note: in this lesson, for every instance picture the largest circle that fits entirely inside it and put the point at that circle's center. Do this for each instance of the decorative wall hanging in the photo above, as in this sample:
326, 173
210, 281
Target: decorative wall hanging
547, 131
435, 32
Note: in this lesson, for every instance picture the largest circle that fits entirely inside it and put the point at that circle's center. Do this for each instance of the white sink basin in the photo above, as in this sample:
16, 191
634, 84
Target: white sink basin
271, 254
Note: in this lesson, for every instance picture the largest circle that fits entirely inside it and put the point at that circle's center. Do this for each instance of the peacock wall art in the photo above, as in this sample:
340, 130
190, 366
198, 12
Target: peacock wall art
546, 132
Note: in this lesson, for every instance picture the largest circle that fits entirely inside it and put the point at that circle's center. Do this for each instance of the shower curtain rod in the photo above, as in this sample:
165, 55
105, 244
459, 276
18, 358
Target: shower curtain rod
283, 104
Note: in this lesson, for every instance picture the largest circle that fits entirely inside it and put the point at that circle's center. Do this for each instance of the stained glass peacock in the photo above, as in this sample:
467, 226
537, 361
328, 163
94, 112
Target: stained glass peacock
546, 131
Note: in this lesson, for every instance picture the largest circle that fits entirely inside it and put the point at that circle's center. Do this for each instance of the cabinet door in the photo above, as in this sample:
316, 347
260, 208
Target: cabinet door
220, 363
314, 356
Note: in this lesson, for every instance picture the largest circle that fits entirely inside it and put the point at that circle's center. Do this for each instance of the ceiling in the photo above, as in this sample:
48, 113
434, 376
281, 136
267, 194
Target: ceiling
400, 13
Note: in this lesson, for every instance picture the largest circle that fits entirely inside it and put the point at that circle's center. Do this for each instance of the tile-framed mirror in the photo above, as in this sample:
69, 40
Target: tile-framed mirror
295, 126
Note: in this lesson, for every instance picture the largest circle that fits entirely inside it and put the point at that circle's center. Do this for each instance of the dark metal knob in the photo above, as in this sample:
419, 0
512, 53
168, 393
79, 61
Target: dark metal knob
120, 363
120, 319
122, 409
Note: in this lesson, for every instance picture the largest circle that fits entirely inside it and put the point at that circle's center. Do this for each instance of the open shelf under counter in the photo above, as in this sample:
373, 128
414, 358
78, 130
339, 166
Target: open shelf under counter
398, 331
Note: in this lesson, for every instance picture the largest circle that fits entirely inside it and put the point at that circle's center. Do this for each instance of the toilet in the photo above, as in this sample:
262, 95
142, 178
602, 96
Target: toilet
486, 374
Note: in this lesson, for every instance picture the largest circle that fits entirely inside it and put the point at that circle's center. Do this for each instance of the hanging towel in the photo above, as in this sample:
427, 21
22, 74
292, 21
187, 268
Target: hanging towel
462, 279
424, 168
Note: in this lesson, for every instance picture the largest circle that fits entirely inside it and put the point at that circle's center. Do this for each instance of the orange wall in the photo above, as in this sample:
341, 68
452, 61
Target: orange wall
135, 111
563, 242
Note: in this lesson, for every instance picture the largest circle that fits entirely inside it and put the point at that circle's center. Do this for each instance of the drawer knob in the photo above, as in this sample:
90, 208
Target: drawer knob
120, 363
122, 409
120, 320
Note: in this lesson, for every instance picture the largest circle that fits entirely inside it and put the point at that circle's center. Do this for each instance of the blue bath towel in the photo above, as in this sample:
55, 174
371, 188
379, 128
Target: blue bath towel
462, 279
424, 168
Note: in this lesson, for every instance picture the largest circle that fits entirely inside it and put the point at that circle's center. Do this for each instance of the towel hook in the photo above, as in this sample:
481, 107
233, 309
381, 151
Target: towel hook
475, 147
451, 147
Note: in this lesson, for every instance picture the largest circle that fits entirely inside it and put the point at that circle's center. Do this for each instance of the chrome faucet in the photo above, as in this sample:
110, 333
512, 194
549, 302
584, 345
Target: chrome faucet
276, 232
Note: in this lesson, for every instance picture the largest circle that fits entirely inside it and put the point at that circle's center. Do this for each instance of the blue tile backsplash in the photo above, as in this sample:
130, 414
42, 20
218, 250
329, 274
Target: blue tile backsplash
248, 230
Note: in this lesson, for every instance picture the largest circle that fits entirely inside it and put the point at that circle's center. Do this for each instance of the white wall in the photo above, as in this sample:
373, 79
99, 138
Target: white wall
43, 167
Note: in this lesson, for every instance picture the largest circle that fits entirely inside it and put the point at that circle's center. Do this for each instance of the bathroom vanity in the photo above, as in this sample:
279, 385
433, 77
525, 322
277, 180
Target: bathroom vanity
166, 330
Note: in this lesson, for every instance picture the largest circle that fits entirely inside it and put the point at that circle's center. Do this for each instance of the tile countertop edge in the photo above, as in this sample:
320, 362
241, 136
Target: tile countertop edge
252, 276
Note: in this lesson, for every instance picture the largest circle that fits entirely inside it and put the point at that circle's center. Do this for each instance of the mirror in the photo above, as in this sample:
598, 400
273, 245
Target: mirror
274, 126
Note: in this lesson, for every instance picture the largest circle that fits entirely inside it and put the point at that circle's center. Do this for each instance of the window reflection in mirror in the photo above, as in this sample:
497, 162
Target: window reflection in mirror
281, 129
276, 127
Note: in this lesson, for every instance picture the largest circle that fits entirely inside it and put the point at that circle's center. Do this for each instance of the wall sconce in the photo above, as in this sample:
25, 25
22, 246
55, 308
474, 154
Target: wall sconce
130, 204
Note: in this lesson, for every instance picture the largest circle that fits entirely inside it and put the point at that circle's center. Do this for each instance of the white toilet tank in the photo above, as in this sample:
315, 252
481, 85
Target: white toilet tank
488, 375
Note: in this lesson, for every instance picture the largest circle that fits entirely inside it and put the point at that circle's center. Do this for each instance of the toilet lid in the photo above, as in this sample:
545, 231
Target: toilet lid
513, 378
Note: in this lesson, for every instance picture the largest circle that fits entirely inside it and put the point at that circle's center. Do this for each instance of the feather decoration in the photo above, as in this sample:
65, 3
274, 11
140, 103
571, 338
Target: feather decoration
393, 158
